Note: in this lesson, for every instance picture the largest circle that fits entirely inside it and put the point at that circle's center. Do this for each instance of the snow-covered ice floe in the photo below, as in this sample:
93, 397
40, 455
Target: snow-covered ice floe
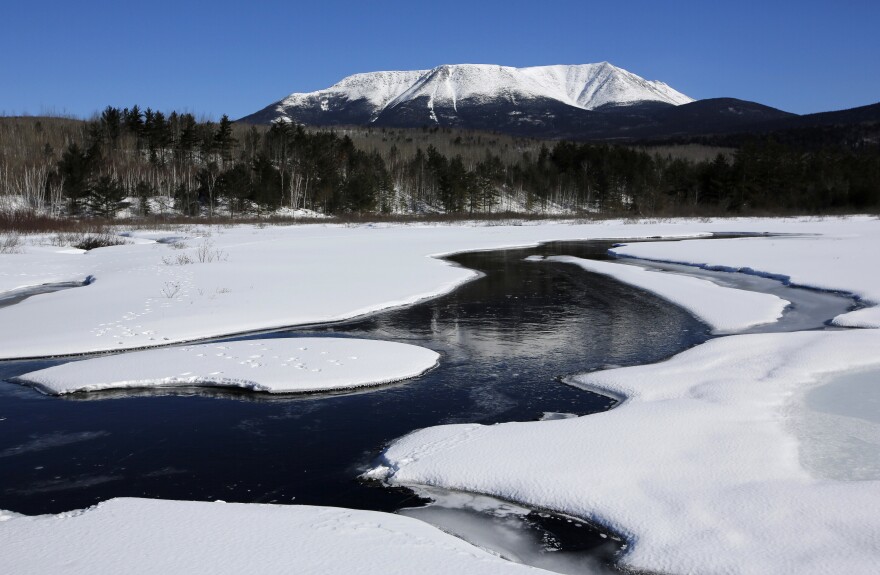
277, 365
723, 309
701, 467
154, 536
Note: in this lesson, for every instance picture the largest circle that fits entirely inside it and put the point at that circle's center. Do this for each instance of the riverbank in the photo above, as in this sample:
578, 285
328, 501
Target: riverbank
379, 249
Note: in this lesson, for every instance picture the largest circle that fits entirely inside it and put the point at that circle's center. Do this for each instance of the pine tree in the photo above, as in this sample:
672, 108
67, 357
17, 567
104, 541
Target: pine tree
104, 197
189, 137
111, 125
133, 120
223, 139
74, 172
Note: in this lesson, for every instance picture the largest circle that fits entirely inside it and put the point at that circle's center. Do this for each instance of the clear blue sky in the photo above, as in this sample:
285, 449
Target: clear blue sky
236, 57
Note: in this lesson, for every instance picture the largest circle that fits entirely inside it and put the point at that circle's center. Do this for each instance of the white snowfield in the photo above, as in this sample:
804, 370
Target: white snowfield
247, 279
723, 309
299, 365
698, 468
145, 536
840, 261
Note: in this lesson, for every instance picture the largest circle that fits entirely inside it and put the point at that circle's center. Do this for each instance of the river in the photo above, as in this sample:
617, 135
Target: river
507, 340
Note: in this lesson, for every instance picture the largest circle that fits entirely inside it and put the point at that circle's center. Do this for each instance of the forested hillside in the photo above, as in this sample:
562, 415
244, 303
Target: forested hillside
137, 163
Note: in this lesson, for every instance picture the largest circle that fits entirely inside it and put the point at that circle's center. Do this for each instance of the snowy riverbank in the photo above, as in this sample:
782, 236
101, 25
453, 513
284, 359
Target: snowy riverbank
699, 467
724, 309
712, 464
838, 260
218, 281
153, 536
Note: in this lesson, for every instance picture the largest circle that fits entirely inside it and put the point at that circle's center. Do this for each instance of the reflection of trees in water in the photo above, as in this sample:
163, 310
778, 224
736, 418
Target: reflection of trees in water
505, 340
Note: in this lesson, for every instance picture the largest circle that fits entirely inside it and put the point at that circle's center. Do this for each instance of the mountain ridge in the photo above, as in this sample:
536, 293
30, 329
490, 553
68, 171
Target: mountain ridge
595, 102
366, 97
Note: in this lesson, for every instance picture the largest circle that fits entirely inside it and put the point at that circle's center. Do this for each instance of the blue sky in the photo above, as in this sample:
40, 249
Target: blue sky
236, 57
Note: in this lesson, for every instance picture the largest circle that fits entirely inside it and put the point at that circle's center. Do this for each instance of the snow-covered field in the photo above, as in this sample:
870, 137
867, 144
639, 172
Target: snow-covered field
212, 282
298, 365
712, 464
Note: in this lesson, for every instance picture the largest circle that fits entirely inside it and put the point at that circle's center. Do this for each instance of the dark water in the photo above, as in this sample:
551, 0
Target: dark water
505, 341
19, 295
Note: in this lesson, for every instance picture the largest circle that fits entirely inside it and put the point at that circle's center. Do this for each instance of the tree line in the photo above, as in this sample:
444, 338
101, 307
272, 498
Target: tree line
150, 162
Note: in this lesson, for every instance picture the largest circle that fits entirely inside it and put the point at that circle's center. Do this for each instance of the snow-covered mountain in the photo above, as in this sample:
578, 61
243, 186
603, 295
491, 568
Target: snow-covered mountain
477, 96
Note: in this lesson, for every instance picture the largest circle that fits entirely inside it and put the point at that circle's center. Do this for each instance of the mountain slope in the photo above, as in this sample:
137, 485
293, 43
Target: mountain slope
460, 94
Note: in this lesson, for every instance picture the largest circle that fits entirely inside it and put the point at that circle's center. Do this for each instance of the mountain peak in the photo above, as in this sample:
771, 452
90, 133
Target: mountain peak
454, 94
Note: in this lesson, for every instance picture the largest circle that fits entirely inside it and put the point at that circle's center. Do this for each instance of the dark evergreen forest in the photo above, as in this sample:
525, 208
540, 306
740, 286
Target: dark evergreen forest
147, 162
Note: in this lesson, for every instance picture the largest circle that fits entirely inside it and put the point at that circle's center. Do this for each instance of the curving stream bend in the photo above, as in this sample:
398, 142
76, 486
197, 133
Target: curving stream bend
507, 341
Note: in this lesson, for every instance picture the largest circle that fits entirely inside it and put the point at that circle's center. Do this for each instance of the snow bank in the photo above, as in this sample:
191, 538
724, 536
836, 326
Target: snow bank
838, 260
699, 467
724, 309
38, 266
245, 278
153, 536
272, 365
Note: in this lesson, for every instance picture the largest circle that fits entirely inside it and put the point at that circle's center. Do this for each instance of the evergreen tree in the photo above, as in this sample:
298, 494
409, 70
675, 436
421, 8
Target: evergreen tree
234, 185
143, 192
189, 137
111, 126
104, 197
223, 140
186, 200
74, 173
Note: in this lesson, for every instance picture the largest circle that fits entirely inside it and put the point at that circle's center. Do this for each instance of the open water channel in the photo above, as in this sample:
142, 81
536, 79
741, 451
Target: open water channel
506, 340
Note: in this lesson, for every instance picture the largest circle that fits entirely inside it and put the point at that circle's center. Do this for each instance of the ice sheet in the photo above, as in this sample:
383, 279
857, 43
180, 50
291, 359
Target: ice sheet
838, 426
271, 365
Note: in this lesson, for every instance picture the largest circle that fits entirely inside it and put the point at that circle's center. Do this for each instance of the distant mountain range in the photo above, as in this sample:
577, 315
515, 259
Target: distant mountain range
585, 102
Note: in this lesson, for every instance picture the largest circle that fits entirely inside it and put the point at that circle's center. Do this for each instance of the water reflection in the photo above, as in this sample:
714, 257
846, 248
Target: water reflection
506, 339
